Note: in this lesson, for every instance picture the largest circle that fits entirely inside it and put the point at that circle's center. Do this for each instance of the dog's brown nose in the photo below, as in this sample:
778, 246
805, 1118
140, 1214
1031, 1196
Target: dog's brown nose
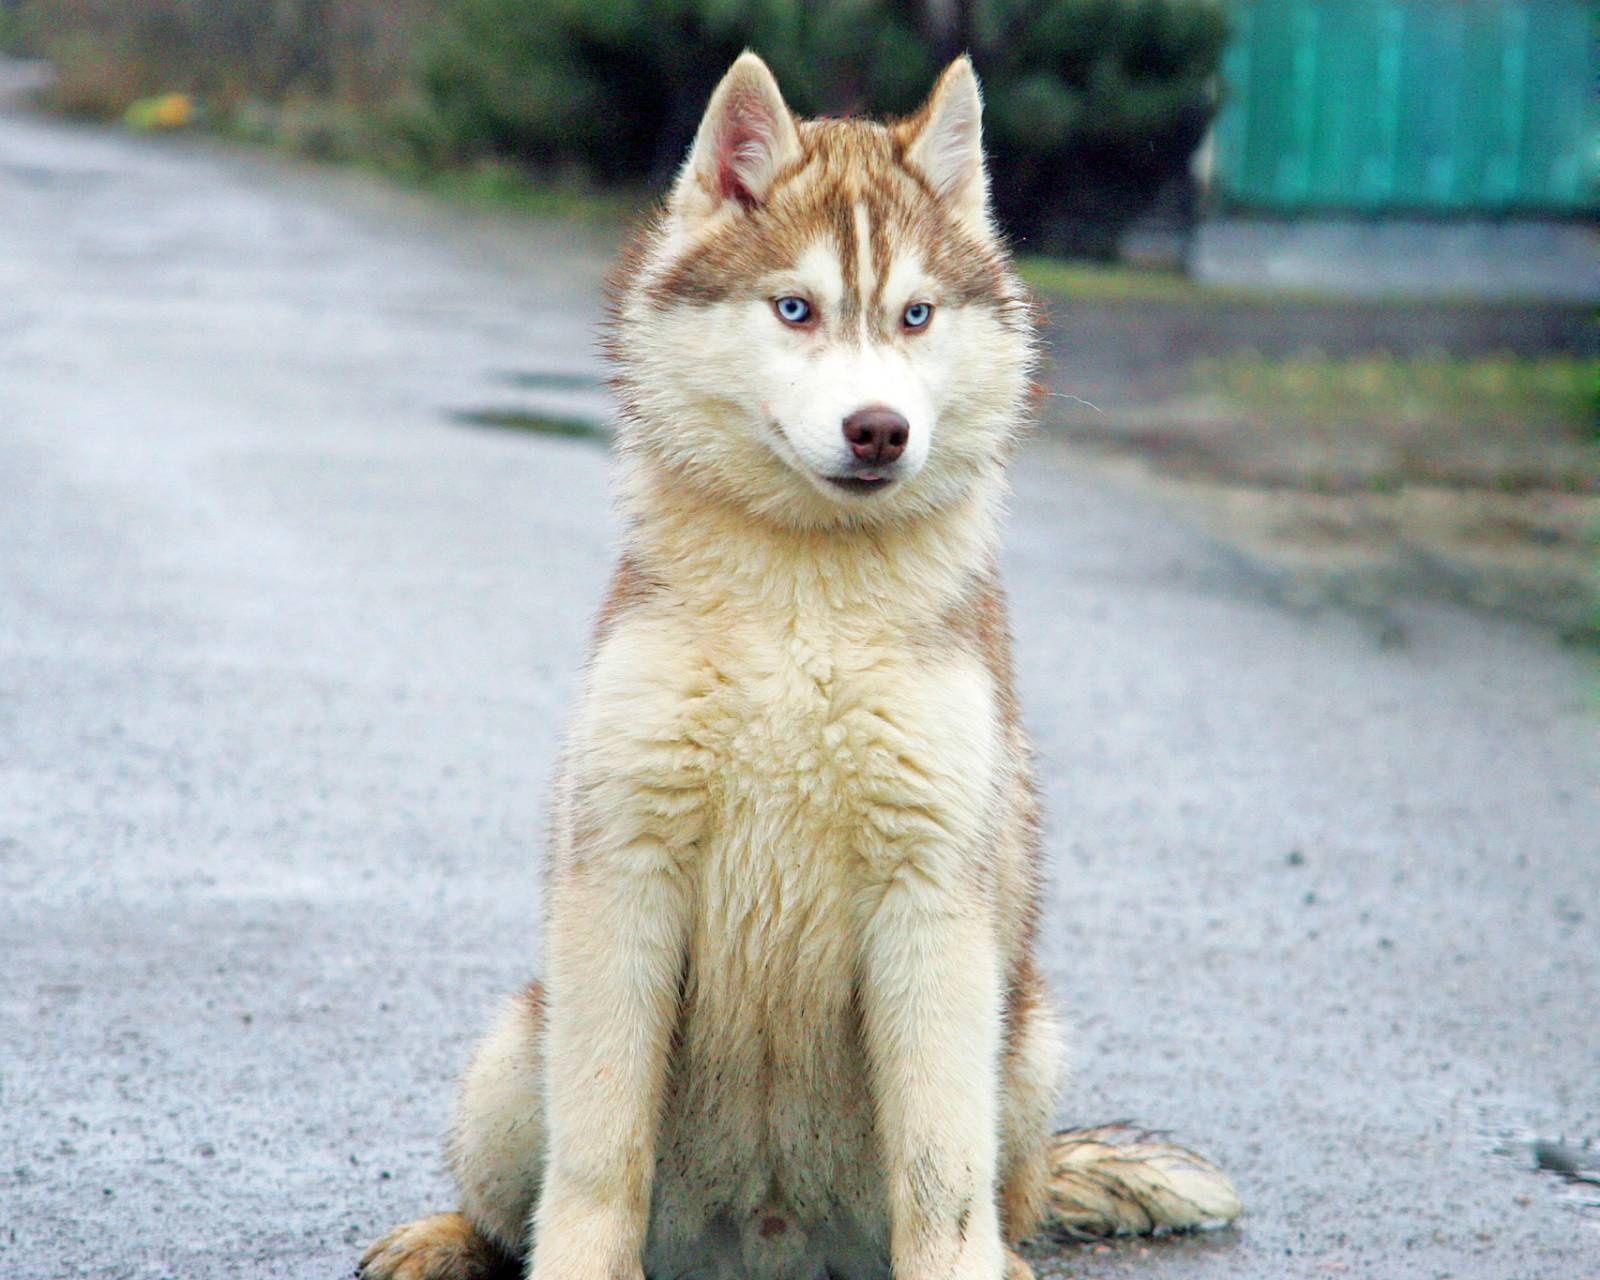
877, 434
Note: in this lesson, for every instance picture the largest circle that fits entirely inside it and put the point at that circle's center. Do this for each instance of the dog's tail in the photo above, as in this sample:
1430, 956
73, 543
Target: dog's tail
1116, 1180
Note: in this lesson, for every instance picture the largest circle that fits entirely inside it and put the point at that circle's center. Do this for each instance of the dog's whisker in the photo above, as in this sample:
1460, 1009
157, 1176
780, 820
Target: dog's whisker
1063, 395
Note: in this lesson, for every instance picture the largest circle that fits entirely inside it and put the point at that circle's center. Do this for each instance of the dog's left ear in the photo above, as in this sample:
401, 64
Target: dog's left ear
746, 139
944, 143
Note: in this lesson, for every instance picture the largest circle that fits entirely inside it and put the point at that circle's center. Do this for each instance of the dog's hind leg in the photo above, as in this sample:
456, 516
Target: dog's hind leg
1030, 1082
497, 1150
497, 1154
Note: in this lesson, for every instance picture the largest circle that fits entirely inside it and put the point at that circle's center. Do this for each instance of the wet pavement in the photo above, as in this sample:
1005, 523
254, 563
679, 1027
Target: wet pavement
285, 646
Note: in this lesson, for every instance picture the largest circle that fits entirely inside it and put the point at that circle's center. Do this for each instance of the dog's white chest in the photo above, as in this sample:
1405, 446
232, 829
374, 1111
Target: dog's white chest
834, 756
795, 772
825, 763
759, 751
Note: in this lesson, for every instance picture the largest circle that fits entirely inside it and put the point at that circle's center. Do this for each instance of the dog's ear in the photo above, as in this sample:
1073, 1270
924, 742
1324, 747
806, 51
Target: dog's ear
747, 138
944, 142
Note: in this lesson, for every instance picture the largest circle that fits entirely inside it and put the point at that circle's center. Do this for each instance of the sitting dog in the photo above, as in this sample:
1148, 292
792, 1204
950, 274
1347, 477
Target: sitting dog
792, 1023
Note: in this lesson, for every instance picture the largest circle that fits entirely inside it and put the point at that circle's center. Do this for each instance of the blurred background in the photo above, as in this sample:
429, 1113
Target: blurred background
304, 520
1095, 108
1325, 270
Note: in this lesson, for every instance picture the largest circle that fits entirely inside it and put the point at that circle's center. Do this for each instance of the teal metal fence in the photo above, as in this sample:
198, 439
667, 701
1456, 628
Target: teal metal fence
1444, 106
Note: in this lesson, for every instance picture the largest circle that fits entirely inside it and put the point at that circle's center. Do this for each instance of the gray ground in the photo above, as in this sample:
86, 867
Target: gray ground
284, 651
1366, 257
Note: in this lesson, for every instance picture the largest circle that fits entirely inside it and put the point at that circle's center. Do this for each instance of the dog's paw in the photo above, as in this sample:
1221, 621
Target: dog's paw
443, 1247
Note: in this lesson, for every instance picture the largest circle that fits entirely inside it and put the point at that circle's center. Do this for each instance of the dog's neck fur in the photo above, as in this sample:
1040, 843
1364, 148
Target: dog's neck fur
715, 555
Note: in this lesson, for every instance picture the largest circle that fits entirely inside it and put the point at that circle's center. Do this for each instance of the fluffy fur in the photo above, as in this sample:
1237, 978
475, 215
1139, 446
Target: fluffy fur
791, 1022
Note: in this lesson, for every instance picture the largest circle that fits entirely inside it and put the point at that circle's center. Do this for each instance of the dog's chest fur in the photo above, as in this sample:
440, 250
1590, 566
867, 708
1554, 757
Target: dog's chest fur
794, 764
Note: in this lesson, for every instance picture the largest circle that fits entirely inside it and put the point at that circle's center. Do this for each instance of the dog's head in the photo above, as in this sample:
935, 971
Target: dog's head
822, 325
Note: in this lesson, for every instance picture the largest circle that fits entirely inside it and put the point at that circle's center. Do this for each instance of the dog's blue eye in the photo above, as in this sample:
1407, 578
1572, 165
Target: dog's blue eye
792, 310
916, 315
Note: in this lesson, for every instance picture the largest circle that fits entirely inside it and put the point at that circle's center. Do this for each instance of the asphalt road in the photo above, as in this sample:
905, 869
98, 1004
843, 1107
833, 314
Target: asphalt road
284, 652
1504, 258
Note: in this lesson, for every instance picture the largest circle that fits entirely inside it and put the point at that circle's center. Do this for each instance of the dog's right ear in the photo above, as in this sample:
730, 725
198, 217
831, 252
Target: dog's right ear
747, 138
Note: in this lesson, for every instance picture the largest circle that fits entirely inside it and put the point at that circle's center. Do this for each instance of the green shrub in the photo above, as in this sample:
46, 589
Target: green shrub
1093, 105
617, 86
14, 23
109, 53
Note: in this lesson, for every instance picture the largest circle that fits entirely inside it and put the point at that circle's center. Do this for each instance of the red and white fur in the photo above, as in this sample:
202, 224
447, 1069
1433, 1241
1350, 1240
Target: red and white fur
791, 1022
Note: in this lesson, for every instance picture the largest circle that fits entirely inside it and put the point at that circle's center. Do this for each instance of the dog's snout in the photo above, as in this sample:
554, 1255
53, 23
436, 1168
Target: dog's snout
877, 434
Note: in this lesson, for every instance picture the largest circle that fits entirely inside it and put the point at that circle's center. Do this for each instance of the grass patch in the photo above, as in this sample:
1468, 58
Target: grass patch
1103, 282
509, 188
1099, 283
14, 31
1359, 480
1555, 392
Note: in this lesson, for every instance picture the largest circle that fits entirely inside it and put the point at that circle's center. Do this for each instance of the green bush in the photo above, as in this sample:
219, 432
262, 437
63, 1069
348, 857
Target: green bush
109, 53
617, 86
13, 28
1093, 105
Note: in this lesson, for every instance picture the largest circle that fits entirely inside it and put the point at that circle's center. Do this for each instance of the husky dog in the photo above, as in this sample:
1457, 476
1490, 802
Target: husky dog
792, 1024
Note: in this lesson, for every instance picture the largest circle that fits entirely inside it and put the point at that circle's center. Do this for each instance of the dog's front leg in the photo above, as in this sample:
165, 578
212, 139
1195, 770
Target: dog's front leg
617, 924
931, 999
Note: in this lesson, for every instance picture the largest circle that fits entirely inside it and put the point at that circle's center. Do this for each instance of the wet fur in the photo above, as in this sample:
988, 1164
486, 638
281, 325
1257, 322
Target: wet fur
791, 1021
